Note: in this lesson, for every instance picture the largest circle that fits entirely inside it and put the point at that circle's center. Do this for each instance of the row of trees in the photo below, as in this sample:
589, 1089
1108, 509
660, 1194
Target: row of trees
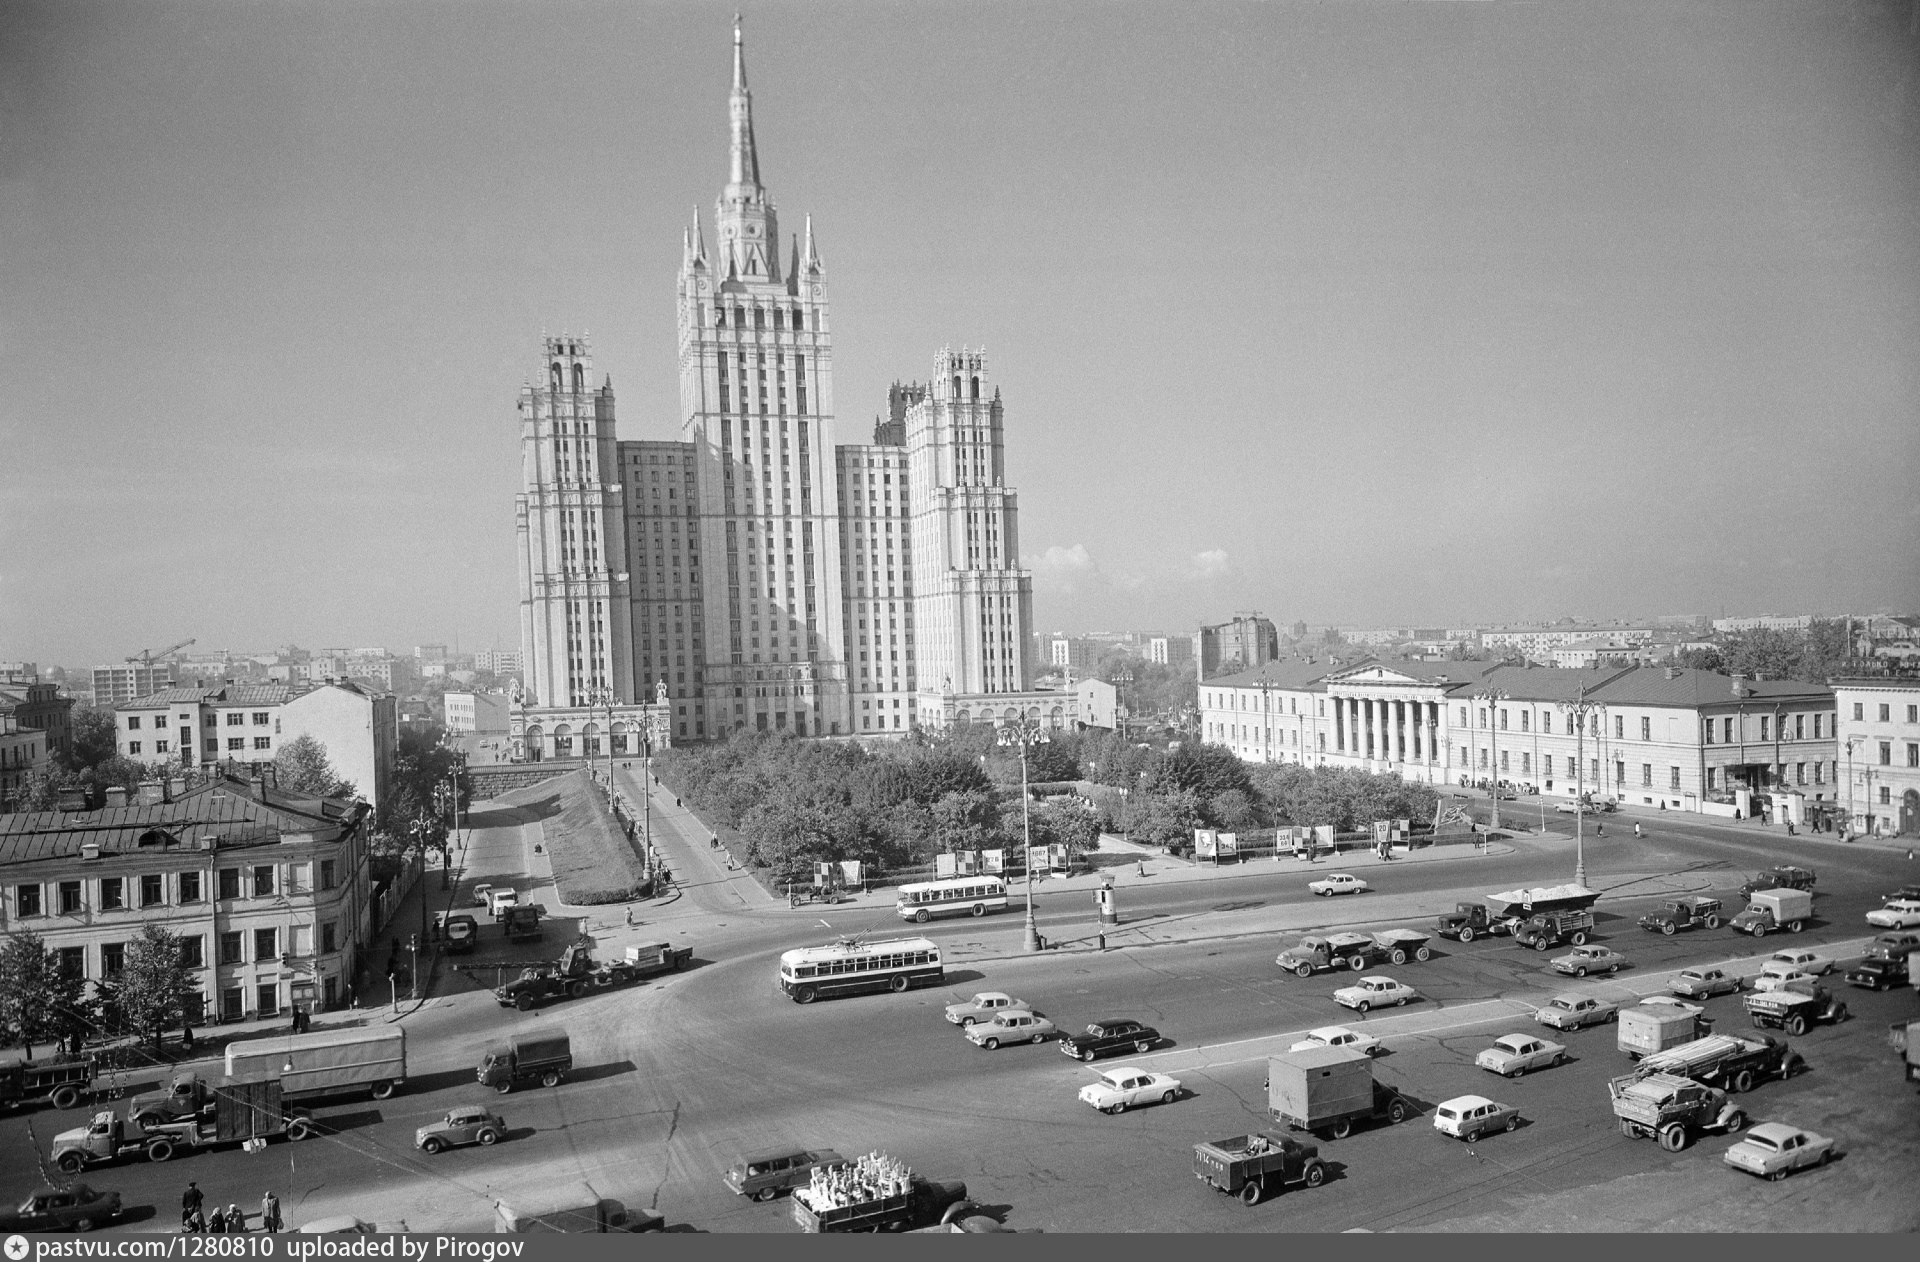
42, 1002
1815, 655
797, 802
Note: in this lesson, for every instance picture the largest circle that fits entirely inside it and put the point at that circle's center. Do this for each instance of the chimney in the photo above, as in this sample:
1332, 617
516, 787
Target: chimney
116, 796
89, 850
73, 800
150, 793
1673, 672
259, 787
1739, 682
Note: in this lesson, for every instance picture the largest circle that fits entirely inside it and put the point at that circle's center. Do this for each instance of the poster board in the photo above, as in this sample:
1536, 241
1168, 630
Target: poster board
993, 860
1206, 843
1227, 846
944, 867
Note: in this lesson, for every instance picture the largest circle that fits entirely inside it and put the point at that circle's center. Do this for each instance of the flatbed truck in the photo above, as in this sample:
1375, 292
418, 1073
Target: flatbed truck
1726, 1060
241, 1111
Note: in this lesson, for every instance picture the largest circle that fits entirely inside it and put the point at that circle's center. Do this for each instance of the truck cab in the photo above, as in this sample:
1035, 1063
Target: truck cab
186, 1097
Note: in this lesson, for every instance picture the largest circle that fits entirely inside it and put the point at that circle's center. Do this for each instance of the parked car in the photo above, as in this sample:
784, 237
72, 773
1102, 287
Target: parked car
1589, 959
1800, 958
1572, 1012
1704, 983
1585, 808
1514, 1054
1126, 1087
1899, 913
981, 1006
76, 1207
1012, 1025
468, 1124
1339, 1036
1905, 891
482, 893
1116, 1034
764, 1178
1374, 992
1773, 1150
1470, 1117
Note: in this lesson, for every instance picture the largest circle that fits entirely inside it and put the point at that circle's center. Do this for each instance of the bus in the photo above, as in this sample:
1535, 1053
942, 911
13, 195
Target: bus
850, 966
956, 896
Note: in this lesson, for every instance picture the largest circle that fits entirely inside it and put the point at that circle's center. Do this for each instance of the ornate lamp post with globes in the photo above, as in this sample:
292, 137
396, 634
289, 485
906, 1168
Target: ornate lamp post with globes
1493, 697
1025, 733
1578, 709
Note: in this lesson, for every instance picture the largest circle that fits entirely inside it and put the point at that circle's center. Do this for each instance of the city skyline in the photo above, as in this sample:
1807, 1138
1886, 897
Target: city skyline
1527, 313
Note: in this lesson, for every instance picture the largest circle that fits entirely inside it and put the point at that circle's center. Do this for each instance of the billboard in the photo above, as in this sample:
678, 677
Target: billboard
1206, 842
993, 860
1227, 846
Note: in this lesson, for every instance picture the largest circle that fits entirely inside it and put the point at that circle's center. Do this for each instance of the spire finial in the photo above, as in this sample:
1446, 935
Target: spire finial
812, 255
745, 175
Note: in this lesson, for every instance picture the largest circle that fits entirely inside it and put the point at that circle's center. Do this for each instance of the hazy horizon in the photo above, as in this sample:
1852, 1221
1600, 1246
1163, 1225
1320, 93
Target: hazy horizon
1362, 313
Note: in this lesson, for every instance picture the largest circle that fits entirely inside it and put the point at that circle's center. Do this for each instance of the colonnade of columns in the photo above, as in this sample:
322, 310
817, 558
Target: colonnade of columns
1387, 729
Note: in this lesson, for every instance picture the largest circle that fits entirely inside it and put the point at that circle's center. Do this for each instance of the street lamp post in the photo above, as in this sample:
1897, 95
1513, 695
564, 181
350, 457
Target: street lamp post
1025, 733
1266, 721
1493, 696
1580, 708
1121, 678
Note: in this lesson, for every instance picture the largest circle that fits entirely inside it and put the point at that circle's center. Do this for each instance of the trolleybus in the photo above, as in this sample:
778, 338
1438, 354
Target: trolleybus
851, 965
956, 896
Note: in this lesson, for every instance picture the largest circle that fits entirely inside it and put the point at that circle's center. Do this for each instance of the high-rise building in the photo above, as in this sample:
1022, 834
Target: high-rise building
754, 573
1249, 640
113, 685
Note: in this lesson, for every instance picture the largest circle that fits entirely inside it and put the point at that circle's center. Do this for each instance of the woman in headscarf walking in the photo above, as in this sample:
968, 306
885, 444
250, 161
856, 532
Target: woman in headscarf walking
217, 1224
270, 1213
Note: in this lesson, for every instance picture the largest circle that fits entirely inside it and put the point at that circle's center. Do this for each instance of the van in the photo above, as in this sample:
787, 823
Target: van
499, 900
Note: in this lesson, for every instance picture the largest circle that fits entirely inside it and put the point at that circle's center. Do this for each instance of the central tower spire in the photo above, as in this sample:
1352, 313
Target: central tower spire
749, 231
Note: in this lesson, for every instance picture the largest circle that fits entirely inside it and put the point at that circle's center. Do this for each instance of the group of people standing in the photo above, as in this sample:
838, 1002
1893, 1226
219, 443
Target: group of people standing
228, 1221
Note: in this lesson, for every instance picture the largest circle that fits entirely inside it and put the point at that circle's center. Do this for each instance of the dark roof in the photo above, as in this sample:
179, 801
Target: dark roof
1289, 672
181, 695
238, 812
1652, 685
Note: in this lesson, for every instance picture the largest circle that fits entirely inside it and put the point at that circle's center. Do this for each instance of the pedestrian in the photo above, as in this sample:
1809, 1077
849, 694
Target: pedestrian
190, 1202
1790, 831
194, 1224
270, 1213
217, 1225
1636, 828
1143, 867
629, 917
236, 1221
1599, 829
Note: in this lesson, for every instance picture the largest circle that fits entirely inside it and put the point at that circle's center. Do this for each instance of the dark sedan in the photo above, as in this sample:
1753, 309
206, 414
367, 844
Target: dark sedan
1103, 1038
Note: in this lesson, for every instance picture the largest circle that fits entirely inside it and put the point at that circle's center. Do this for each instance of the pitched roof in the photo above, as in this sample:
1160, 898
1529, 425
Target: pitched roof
1292, 673
238, 812
1654, 685
166, 697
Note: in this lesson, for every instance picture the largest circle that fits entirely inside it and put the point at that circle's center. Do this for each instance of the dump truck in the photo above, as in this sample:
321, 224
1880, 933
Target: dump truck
522, 922
63, 1082
576, 973
1905, 1039
241, 1111
1325, 1090
1354, 951
1655, 1027
544, 1056
1769, 911
572, 1207
1550, 928
1469, 920
1682, 913
1671, 1109
324, 1063
874, 1193
1251, 1166
1731, 1061
1796, 1009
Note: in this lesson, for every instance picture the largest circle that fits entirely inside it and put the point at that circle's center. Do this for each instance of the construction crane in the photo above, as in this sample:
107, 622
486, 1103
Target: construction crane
146, 656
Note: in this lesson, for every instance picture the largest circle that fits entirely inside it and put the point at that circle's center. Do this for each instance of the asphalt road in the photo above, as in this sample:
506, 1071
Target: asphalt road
685, 1075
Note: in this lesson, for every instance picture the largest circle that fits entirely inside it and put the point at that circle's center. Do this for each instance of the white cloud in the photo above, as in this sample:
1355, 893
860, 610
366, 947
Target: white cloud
1210, 564
1072, 571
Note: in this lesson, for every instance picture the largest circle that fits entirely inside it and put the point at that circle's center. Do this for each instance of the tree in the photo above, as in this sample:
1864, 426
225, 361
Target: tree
149, 994
1162, 818
302, 767
1704, 658
1064, 822
95, 739
1233, 810
39, 1001
966, 820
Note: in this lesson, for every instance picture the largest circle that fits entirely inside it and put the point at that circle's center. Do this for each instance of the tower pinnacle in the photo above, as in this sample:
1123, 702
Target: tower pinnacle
744, 176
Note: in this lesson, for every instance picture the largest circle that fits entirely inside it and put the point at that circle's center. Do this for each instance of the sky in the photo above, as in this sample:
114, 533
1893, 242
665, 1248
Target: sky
1347, 312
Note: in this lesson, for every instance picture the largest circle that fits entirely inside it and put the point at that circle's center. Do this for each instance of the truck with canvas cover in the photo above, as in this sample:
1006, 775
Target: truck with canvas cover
1252, 1166
570, 1208
1732, 1061
1797, 1009
326, 1062
1656, 1027
873, 1193
1549, 928
241, 1111
1671, 1108
544, 1056
63, 1082
1326, 1090
1770, 911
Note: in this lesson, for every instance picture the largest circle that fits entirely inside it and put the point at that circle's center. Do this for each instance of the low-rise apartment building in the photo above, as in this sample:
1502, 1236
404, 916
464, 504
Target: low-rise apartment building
267, 890
1880, 753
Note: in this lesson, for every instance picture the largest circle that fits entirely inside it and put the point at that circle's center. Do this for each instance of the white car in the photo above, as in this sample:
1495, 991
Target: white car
1470, 1117
1901, 913
1670, 1001
1125, 1086
1574, 1011
1797, 958
481, 894
1339, 1036
1778, 977
499, 900
1337, 883
981, 1007
1514, 1054
1374, 992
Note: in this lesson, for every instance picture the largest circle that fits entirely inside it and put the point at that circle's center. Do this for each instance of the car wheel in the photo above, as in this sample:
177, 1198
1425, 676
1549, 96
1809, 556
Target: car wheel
1626, 1128
1397, 1112
523, 1002
299, 1128
1759, 931
1825, 1157
1713, 922
1466, 933
1252, 1191
1559, 1059
383, 1090
1541, 945
65, 1097
1302, 970
1612, 969
1580, 939
898, 984
1168, 1097
979, 909
1743, 1081
1362, 1006
766, 1194
1736, 1122
1580, 971
1087, 1055
550, 1079
1423, 955
72, 1163
1513, 1073
1399, 956
1513, 1121
1777, 1175
922, 916
1796, 1025
488, 1137
990, 1044
1038, 1038
1673, 1137
1141, 1046
503, 1087
1117, 1108
1341, 1128
431, 1146
83, 1224
804, 995
160, 1150
966, 1023
1401, 1002
1316, 1174
1667, 929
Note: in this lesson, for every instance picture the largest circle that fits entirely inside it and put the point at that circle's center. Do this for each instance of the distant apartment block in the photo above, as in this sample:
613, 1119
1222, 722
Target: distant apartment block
37, 707
477, 713
1539, 642
23, 751
113, 685
1248, 639
1170, 650
1764, 622
19, 673
498, 661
